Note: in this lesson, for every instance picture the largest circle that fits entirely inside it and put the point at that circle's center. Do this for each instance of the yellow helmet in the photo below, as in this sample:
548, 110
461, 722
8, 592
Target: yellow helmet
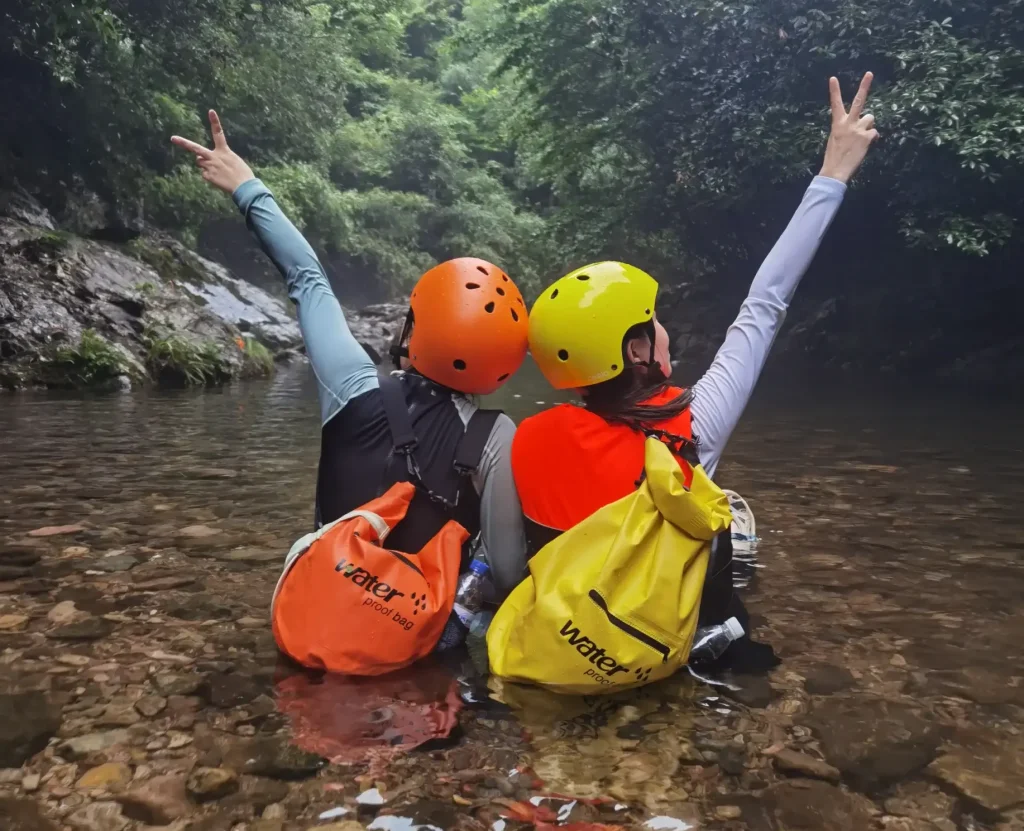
579, 322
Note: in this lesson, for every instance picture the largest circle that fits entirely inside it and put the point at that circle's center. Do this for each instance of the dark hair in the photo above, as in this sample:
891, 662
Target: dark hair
620, 399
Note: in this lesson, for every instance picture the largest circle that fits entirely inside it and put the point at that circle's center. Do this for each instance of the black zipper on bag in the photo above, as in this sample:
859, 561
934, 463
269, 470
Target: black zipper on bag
632, 631
406, 560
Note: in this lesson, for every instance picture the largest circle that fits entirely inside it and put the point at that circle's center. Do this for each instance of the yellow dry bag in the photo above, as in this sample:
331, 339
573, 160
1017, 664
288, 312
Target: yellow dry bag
612, 603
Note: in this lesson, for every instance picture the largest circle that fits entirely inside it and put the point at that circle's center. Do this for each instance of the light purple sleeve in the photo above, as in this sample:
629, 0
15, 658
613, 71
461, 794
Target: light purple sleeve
721, 395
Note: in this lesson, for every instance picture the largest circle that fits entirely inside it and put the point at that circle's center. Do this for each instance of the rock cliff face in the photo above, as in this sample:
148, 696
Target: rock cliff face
77, 312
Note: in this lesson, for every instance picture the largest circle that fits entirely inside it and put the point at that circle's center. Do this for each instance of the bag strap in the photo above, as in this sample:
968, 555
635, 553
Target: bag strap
471, 446
392, 394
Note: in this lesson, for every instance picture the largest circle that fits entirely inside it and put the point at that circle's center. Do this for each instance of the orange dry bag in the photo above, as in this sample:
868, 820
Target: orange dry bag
345, 602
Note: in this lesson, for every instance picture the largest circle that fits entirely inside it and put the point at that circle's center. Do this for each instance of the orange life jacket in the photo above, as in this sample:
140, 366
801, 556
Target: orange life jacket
568, 462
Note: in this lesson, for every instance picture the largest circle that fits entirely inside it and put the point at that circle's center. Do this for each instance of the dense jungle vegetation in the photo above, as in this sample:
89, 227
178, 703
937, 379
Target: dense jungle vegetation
536, 133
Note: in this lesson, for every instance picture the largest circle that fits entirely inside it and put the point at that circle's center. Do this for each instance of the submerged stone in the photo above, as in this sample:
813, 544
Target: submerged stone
27, 721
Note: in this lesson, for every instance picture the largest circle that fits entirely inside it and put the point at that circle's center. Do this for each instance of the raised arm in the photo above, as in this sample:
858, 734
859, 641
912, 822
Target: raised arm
342, 368
721, 395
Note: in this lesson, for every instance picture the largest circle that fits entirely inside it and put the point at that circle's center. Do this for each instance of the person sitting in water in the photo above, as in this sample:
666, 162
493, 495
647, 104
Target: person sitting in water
465, 335
596, 330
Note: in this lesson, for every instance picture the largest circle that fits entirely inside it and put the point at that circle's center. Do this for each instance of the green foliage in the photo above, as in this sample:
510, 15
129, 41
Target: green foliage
175, 359
687, 117
93, 362
337, 104
257, 360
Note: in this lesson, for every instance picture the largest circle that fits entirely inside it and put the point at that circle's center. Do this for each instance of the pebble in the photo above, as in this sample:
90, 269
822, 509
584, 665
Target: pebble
176, 740
207, 784
792, 761
728, 812
104, 776
9, 623
160, 801
81, 746
56, 530
64, 612
151, 705
198, 532
91, 629
30, 783
99, 816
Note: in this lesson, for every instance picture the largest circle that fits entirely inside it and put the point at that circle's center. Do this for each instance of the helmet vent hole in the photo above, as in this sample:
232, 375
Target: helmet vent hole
519, 300
504, 277
583, 277
489, 308
481, 269
647, 311
554, 294
459, 364
472, 285
615, 367
515, 317
502, 377
500, 291
563, 355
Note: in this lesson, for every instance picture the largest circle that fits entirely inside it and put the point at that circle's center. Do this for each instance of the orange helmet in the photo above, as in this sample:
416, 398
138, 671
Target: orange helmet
469, 326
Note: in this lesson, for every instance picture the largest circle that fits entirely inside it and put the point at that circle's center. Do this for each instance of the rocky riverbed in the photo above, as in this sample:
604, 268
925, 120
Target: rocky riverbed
141, 537
79, 312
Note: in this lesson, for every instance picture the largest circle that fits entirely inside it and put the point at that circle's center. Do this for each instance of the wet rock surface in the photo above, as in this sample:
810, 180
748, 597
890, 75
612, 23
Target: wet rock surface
170, 708
55, 285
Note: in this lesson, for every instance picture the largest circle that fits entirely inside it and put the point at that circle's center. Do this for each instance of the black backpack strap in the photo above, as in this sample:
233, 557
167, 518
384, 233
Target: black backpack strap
474, 440
392, 394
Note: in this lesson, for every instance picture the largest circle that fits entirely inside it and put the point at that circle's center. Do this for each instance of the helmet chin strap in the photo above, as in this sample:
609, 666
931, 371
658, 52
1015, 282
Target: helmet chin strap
654, 370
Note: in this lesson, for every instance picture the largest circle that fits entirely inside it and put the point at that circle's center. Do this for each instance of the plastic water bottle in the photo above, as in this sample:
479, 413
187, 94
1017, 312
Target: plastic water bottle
469, 599
709, 642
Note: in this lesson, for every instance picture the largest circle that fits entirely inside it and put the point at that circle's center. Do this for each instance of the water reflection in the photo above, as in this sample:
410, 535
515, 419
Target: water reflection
890, 528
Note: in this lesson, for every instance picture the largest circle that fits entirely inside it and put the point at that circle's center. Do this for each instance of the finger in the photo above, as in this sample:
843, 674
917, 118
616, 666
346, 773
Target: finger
867, 121
220, 141
200, 151
857, 107
873, 134
836, 98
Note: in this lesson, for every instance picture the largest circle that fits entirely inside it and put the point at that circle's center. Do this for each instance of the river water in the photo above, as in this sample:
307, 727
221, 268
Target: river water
891, 536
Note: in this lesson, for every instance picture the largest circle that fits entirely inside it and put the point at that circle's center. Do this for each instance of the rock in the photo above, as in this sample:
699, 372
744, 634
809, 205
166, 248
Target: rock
104, 776
755, 691
56, 530
91, 629
27, 721
81, 746
227, 690
20, 554
207, 784
177, 740
728, 812
118, 714
732, 761
805, 805
973, 683
925, 804
30, 782
113, 564
160, 801
99, 816
255, 556
215, 473
275, 758
168, 683
198, 532
23, 815
164, 583
275, 811
14, 572
986, 767
12, 623
826, 679
151, 705
874, 743
800, 764
347, 825
201, 607
64, 612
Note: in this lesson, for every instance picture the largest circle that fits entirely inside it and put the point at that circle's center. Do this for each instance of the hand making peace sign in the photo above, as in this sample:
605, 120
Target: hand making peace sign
221, 166
852, 132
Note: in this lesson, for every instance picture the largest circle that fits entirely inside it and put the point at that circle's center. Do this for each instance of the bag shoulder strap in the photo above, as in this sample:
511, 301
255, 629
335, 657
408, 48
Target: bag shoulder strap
471, 446
392, 394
